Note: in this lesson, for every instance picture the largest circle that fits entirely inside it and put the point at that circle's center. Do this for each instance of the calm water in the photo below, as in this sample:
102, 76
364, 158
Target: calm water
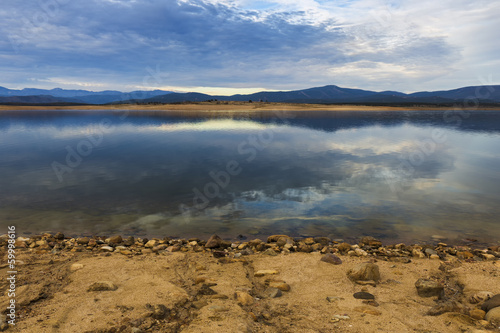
399, 176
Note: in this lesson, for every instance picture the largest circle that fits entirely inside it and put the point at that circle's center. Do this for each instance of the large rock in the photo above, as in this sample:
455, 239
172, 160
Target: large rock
115, 240
428, 288
370, 241
364, 272
213, 242
331, 259
491, 303
493, 316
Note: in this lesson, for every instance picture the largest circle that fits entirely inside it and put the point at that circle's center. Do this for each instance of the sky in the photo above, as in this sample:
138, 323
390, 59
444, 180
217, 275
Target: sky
243, 46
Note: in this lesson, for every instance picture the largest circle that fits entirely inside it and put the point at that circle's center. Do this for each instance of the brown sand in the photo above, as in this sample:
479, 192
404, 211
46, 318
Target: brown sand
235, 107
54, 298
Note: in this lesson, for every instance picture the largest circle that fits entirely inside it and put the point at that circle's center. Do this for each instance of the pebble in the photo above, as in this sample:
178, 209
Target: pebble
491, 303
331, 259
115, 240
337, 318
75, 267
363, 295
244, 298
213, 242
428, 288
332, 299
280, 285
480, 297
477, 314
82, 240
102, 286
151, 244
263, 272
364, 272
272, 292
493, 316
344, 247
107, 248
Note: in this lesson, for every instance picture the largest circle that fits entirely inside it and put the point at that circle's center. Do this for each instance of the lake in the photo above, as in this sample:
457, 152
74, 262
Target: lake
416, 176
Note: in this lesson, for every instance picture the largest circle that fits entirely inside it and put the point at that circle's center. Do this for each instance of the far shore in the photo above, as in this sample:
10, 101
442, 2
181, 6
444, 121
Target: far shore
240, 107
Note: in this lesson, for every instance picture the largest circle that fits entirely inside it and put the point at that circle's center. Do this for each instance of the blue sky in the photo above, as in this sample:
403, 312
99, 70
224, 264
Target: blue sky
230, 46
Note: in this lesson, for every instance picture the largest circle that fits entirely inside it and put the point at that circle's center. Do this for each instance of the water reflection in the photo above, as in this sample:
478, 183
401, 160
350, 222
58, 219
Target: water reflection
341, 174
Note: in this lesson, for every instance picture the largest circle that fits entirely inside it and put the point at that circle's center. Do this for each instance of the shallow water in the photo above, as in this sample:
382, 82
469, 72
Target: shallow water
398, 176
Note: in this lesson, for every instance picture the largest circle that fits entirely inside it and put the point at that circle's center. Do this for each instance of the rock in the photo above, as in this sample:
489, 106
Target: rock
263, 272
416, 253
493, 316
368, 310
272, 292
129, 241
75, 267
282, 241
364, 272
491, 303
430, 252
219, 254
213, 242
269, 252
363, 295
480, 297
102, 286
477, 314
107, 248
243, 298
448, 306
488, 256
305, 248
370, 241
331, 259
428, 288
82, 240
115, 240
151, 244
275, 238
322, 240
280, 285
332, 299
309, 241
59, 236
344, 247
337, 318
206, 290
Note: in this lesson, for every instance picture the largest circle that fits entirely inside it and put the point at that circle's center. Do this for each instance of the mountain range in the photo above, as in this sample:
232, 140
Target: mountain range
324, 95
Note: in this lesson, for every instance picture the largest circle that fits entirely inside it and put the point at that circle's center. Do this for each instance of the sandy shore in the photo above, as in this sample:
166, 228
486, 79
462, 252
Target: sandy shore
236, 107
279, 285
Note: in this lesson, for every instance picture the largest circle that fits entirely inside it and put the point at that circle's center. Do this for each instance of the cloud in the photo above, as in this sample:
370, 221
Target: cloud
240, 44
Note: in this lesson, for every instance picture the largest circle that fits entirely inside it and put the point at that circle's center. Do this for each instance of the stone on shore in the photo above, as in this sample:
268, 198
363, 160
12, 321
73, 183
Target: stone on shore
213, 242
477, 314
428, 288
115, 240
331, 259
364, 272
280, 285
244, 298
491, 303
75, 267
363, 295
263, 272
272, 292
493, 316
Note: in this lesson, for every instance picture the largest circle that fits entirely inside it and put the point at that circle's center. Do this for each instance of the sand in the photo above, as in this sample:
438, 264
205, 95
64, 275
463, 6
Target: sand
237, 107
170, 292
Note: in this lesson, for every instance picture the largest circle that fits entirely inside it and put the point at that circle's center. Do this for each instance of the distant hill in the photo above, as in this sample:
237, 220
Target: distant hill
39, 99
334, 94
84, 96
330, 94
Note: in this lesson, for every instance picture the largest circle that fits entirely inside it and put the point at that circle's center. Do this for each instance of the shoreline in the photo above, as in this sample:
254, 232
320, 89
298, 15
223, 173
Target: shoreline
239, 107
133, 285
